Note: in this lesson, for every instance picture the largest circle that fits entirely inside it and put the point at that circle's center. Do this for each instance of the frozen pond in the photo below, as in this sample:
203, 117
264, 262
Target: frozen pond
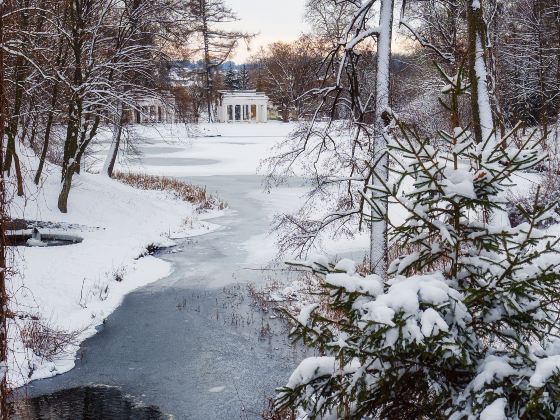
177, 161
158, 150
191, 344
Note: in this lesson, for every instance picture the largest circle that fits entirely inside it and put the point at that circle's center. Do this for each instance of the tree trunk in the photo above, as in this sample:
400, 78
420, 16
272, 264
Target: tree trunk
20, 76
4, 301
73, 154
45, 148
378, 233
111, 159
12, 129
34, 128
207, 64
66, 185
11, 154
48, 128
60, 59
482, 121
285, 114
482, 118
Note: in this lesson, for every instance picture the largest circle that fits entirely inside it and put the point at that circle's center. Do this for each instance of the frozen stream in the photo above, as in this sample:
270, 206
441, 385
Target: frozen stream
190, 344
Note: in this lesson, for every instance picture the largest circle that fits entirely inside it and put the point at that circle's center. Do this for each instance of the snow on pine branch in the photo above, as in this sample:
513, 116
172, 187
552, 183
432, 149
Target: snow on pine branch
466, 324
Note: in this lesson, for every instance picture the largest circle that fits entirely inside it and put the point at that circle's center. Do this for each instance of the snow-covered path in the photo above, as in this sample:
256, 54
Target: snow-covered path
189, 343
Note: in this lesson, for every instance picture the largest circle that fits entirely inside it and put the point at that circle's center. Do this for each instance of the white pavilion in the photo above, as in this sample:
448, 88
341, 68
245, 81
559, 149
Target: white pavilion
242, 106
153, 109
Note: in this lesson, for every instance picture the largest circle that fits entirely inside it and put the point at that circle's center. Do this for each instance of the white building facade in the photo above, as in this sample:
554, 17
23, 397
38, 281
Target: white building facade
149, 110
242, 106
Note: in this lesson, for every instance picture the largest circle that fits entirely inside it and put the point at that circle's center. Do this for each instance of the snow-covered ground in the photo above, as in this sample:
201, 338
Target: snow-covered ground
204, 150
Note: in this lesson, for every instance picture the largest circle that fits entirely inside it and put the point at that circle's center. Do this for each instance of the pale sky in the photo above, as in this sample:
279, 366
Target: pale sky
274, 20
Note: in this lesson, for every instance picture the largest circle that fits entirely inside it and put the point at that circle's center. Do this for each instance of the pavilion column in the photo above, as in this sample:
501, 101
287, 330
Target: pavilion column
261, 113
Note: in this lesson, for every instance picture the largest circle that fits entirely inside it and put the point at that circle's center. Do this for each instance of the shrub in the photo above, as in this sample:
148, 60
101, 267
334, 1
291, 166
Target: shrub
180, 190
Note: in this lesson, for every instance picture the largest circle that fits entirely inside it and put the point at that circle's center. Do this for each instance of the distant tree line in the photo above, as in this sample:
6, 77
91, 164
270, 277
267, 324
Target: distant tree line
523, 39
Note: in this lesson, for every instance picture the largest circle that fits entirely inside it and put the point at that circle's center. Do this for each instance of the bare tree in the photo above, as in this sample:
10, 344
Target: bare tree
20, 68
135, 37
344, 156
4, 303
113, 61
378, 241
328, 19
528, 47
56, 69
216, 43
286, 71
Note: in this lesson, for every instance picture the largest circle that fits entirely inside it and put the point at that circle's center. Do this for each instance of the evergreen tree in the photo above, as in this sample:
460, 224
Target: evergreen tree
465, 326
244, 78
231, 79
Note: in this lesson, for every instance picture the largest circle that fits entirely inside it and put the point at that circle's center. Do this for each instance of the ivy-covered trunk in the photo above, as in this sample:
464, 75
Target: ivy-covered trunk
78, 138
70, 152
66, 185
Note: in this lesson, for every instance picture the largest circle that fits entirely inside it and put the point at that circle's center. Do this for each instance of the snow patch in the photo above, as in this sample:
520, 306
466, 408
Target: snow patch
310, 369
544, 369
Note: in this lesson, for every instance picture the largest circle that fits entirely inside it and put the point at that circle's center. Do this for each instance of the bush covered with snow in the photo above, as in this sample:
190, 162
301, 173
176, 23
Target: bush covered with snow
465, 324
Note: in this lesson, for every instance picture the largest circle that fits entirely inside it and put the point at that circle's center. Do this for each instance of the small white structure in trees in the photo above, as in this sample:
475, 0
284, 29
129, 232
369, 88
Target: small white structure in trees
152, 109
242, 106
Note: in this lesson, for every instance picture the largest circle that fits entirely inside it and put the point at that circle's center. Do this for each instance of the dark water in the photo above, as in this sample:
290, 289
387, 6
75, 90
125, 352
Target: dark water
93, 402
20, 239
191, 344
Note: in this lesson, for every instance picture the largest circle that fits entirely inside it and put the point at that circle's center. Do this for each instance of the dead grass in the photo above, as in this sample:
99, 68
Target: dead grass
180, 190
46, 341
290, 298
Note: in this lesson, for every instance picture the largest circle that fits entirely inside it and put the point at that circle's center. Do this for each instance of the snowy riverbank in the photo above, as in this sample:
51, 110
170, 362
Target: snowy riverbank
75, 287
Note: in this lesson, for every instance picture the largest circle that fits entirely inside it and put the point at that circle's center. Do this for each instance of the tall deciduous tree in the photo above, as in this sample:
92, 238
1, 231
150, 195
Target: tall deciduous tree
54, 66
216, 43
378, 240
355, 84
137, 30
4, 303
114, 59
328, 19
286, 71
